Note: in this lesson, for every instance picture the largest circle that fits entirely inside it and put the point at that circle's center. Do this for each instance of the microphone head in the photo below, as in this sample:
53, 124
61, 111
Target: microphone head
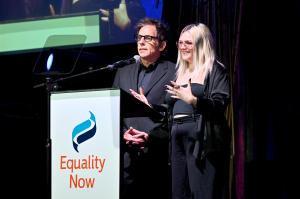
121, 63
137, 58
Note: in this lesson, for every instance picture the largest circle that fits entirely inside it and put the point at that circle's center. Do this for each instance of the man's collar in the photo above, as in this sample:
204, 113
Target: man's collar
151, 67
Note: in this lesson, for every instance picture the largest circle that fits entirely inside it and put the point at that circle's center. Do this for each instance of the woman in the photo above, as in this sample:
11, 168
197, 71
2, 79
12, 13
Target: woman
199, 136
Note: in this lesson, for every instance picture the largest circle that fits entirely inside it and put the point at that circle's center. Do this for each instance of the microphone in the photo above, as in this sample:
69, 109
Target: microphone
121, 63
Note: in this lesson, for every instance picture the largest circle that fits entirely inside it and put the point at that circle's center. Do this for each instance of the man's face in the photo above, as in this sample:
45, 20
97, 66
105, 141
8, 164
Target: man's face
148, 45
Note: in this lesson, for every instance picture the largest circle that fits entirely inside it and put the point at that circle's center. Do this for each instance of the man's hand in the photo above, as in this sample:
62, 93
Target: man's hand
140, 96
135, 138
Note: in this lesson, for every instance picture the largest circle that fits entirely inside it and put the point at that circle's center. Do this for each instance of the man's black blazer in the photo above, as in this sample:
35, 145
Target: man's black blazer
127, 78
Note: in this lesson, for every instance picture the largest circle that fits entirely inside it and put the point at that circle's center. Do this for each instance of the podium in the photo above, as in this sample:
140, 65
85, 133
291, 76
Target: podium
85, 139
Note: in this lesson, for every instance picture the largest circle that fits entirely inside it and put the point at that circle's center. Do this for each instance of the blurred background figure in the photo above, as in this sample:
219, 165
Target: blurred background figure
118, 17
21, 9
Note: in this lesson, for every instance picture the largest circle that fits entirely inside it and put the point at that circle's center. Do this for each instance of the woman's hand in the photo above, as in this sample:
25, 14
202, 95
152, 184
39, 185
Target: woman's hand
183, 93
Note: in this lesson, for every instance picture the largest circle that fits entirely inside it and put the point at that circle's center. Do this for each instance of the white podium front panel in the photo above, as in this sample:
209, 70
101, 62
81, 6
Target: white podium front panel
85, 135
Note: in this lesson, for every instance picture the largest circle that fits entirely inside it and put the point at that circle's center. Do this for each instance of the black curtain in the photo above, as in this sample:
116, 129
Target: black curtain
256, 41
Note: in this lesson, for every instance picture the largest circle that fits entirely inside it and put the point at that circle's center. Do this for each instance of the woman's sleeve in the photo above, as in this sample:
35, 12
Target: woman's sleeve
217, 93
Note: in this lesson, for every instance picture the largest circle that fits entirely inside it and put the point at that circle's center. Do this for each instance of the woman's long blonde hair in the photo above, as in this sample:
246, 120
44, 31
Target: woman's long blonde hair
203, 51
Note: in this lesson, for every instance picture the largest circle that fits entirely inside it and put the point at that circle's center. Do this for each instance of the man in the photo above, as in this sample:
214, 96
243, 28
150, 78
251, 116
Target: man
146, 139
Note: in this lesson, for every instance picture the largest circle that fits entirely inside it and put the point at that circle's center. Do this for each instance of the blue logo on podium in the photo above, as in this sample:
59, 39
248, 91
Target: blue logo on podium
84, 131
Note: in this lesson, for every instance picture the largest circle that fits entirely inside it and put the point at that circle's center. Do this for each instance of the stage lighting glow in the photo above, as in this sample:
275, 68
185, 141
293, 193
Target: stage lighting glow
49, 62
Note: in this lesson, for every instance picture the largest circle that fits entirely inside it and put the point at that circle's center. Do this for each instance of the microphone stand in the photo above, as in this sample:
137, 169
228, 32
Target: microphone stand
52, 85
49, 79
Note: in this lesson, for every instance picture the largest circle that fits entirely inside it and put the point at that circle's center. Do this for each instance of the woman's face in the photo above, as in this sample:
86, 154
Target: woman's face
185, 46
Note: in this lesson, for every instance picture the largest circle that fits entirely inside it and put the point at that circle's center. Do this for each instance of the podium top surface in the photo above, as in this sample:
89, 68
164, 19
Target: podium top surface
130, 106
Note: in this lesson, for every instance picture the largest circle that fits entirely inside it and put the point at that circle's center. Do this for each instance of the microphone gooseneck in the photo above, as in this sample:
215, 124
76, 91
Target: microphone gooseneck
121, 63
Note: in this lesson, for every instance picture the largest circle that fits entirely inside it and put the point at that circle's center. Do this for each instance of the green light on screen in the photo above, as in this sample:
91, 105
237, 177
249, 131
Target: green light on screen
33, 34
